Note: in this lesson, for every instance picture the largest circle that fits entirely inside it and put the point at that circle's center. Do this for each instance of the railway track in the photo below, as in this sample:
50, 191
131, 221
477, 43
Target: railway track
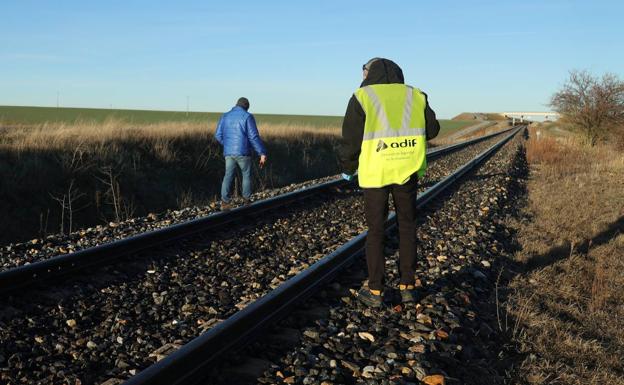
122, 315
39, 271
455, 332
186, 365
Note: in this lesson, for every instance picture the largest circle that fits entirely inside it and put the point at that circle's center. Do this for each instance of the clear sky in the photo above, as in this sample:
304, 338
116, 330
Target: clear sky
296, 57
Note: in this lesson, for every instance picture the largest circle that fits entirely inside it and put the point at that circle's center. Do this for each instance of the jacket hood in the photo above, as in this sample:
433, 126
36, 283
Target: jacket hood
383, 71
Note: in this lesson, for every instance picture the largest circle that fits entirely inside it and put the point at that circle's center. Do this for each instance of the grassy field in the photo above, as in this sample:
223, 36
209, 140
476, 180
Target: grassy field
11, 115
449, 126
568, 304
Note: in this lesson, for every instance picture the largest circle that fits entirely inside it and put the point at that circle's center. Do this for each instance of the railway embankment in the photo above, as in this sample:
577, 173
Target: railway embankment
59, 179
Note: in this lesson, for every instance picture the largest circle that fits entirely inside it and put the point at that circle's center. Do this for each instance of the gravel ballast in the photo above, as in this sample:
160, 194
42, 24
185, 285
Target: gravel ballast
106, 324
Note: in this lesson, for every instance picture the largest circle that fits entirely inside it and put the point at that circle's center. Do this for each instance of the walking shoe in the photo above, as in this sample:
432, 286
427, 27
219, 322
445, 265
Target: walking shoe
368, 298
225, 206
408, 293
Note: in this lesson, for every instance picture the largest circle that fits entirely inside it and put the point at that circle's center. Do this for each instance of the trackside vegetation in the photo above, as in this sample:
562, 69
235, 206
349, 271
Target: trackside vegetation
68, 168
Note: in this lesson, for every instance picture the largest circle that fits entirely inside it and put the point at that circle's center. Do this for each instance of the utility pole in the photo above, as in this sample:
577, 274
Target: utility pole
58, 96
187, 105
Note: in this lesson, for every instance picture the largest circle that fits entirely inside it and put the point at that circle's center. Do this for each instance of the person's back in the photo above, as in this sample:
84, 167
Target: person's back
372, 138
384, 132
238, 134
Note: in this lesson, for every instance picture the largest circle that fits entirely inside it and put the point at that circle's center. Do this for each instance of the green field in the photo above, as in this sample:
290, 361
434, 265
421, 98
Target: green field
450, 126
37, 115
11, 115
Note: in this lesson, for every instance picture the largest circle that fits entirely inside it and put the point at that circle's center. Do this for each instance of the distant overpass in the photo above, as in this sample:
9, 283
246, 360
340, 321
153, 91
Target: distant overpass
522, 115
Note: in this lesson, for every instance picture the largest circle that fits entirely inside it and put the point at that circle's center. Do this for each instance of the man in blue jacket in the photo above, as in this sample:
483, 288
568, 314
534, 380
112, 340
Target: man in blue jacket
238, 134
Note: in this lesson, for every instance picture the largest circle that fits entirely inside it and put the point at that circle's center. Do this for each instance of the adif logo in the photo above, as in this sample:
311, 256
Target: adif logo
381, 145
405, 143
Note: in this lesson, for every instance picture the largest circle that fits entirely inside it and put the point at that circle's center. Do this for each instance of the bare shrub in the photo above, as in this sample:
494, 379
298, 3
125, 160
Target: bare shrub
590, 104
67, 202
122, 208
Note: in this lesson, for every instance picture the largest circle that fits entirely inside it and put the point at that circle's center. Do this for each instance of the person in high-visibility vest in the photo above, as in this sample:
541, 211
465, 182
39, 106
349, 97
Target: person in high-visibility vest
385, 130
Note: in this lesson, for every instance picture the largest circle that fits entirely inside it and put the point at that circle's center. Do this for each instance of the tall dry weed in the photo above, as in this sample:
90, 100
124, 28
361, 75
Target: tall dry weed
96, 136
544, 150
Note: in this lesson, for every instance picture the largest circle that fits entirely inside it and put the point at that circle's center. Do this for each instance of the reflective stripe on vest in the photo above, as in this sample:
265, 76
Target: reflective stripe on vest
394, 141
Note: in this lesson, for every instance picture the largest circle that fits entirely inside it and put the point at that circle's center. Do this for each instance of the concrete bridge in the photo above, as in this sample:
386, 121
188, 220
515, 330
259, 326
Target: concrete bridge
522, 115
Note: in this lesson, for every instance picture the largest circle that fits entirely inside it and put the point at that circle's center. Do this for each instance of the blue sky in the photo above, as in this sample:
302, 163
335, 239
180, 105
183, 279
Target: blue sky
299, 57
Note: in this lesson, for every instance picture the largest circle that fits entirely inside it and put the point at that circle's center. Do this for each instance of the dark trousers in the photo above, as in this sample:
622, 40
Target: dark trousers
376, 210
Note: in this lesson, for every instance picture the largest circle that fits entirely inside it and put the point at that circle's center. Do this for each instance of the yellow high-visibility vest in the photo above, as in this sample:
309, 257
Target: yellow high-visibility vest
394, 142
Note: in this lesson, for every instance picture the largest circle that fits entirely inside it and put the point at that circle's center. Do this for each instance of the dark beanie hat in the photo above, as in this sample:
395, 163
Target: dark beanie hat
243, 102
369, 63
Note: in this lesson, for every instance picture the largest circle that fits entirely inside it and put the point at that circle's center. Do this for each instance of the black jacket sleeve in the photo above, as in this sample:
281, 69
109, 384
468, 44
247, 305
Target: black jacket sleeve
432, 126
352, 134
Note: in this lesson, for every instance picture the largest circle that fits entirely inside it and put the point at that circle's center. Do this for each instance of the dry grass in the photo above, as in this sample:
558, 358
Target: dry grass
150, 167
575, 190
572, 319
569, 305
59, 136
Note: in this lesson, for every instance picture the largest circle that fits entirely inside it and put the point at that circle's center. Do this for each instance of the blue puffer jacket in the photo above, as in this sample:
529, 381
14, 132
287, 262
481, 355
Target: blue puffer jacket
237, 132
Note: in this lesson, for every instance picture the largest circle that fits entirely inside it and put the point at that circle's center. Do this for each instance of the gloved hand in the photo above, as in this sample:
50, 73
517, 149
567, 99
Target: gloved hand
347, 177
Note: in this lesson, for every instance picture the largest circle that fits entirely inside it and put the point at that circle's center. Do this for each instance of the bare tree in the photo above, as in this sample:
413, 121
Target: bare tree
67, 203
591, 104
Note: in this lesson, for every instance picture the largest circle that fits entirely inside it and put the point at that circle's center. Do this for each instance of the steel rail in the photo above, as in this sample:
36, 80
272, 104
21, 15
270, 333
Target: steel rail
37, 272
189, 364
